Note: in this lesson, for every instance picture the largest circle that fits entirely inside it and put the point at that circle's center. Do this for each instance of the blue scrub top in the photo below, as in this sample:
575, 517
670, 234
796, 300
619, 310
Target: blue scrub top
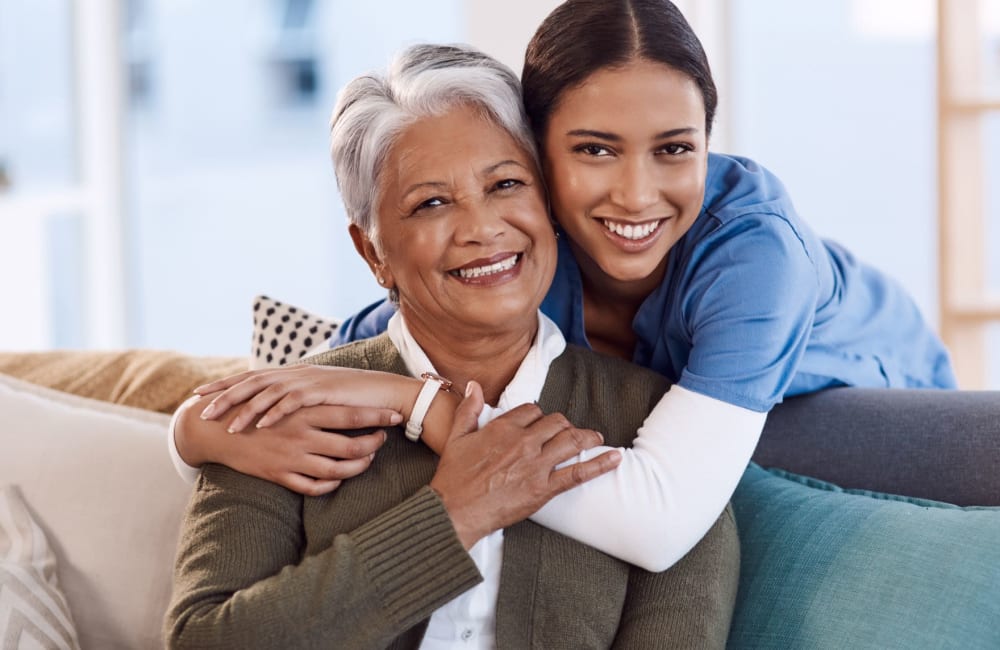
754, 306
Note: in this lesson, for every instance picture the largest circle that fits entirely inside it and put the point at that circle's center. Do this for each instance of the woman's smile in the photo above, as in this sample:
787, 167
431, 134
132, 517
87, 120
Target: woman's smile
632, 236
497, 269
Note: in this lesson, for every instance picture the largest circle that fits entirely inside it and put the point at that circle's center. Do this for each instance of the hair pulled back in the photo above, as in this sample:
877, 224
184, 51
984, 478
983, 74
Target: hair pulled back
581, 37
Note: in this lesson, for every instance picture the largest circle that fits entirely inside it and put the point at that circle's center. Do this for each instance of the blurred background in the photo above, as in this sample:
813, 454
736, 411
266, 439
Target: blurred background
163, 161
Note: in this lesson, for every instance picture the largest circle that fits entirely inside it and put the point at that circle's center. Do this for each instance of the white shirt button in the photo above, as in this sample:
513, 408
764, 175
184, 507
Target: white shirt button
466, 634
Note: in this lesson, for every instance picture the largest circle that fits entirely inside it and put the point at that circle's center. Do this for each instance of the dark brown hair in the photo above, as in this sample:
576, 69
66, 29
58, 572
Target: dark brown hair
581, 37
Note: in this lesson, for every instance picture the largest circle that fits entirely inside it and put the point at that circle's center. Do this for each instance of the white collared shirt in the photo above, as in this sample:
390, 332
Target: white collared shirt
469, 620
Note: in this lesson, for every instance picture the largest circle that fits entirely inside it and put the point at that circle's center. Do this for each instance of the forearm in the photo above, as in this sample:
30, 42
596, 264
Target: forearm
670, 487
240, 581
194, 441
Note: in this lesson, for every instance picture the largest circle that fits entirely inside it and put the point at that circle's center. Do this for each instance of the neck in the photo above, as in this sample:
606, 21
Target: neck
618, 296
490, 358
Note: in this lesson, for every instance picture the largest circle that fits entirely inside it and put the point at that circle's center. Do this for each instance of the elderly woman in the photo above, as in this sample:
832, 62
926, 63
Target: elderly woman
426, 552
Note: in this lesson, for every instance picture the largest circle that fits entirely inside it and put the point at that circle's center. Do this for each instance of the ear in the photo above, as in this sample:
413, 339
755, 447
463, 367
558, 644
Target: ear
366, 248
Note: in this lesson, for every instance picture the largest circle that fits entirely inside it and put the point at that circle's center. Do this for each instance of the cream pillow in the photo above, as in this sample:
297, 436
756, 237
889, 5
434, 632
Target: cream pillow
101, 486
283, 333
33, 612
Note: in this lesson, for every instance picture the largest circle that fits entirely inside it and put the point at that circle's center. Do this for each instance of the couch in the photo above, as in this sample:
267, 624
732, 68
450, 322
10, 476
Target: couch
830, 558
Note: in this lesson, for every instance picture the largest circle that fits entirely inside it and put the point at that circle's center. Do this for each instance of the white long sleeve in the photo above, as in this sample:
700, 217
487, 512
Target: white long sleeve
670, 487
187, 472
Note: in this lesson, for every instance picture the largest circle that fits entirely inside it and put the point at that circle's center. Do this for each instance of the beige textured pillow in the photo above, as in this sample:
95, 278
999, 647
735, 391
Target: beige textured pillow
33, 612
101, 486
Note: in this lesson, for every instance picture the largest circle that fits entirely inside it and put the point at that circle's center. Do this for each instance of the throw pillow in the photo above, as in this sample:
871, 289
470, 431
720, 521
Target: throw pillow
283, 334
824, 567
33, 612
99, 481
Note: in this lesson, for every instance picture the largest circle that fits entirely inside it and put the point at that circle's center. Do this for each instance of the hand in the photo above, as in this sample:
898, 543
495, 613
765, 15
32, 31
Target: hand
296, 453
503, 473
274, 393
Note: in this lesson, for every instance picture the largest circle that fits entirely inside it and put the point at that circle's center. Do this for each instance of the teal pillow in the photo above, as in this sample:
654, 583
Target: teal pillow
824, 567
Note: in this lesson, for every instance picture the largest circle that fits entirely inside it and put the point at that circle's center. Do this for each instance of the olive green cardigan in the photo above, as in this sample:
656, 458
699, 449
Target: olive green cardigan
365, 567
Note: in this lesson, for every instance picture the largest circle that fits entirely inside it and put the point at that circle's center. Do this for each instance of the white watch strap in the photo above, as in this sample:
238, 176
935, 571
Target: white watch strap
415, 425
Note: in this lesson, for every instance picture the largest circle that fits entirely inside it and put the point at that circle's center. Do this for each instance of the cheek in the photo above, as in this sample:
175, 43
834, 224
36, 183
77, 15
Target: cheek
567, 184
687, 190
414, 249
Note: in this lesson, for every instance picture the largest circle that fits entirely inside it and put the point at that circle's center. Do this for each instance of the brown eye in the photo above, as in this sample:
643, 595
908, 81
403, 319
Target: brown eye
507, 183
676, 149
592, 149
434, 202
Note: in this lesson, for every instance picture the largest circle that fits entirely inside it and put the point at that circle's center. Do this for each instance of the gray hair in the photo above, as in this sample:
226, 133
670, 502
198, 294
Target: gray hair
422, 81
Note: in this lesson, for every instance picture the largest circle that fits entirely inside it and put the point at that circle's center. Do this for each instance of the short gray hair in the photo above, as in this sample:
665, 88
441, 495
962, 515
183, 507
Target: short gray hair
422, 81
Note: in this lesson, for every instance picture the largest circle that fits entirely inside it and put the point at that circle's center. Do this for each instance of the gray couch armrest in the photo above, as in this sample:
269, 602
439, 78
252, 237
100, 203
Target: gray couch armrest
942, 445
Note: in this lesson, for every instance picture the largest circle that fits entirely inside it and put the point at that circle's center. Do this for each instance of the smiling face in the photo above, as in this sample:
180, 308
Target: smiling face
626, 156
461, 227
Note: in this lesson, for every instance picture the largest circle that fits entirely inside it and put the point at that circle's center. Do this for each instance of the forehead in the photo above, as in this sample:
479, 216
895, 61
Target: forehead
434, 148
640, 92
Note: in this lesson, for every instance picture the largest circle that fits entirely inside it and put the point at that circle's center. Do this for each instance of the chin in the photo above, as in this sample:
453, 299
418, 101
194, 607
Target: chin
631, 271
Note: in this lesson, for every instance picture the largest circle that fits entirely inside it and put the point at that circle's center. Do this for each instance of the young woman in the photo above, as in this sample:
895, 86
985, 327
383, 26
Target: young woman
693, 264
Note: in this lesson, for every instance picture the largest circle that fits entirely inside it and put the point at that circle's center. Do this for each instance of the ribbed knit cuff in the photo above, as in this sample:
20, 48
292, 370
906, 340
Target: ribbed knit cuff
415, 558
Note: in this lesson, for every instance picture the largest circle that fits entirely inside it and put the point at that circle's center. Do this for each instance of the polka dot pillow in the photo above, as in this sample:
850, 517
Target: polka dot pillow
283, 334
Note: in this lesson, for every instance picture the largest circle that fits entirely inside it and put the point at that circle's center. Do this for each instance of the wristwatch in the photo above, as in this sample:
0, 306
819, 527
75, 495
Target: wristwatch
432, 384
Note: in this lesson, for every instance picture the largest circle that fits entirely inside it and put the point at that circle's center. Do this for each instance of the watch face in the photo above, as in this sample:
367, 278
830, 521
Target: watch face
445, 383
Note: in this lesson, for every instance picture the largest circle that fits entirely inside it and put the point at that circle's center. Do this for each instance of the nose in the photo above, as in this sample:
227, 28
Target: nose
480, 224
636, 187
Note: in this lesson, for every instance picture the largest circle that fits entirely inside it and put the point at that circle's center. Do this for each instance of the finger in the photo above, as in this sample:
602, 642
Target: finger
290, 402
569, 442
466, 418
269, 397
547, 426
522, 416
327, 469
569, 477
347, 418
253, 383
307, 485
223, 383
337, 445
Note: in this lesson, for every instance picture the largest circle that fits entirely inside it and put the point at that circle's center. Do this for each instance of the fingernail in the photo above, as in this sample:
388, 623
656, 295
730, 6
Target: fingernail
600, 435
395, 418
385, 436
231, 429
468, 389
208, 412
371, 456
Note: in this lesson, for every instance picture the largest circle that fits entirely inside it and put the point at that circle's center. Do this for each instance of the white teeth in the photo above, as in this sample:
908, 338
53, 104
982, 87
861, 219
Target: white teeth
631, 231
489, 269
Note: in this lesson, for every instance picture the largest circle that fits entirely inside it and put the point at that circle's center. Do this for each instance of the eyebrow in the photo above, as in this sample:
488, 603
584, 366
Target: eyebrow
438, 184
416, 186
612, 137
492, 168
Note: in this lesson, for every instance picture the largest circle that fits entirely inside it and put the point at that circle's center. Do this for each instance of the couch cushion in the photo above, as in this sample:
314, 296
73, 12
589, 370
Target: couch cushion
99, 482
157, 380
824, 567
33, 611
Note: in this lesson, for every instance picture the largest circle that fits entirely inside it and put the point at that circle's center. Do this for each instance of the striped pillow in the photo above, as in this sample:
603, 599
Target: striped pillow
33, 612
